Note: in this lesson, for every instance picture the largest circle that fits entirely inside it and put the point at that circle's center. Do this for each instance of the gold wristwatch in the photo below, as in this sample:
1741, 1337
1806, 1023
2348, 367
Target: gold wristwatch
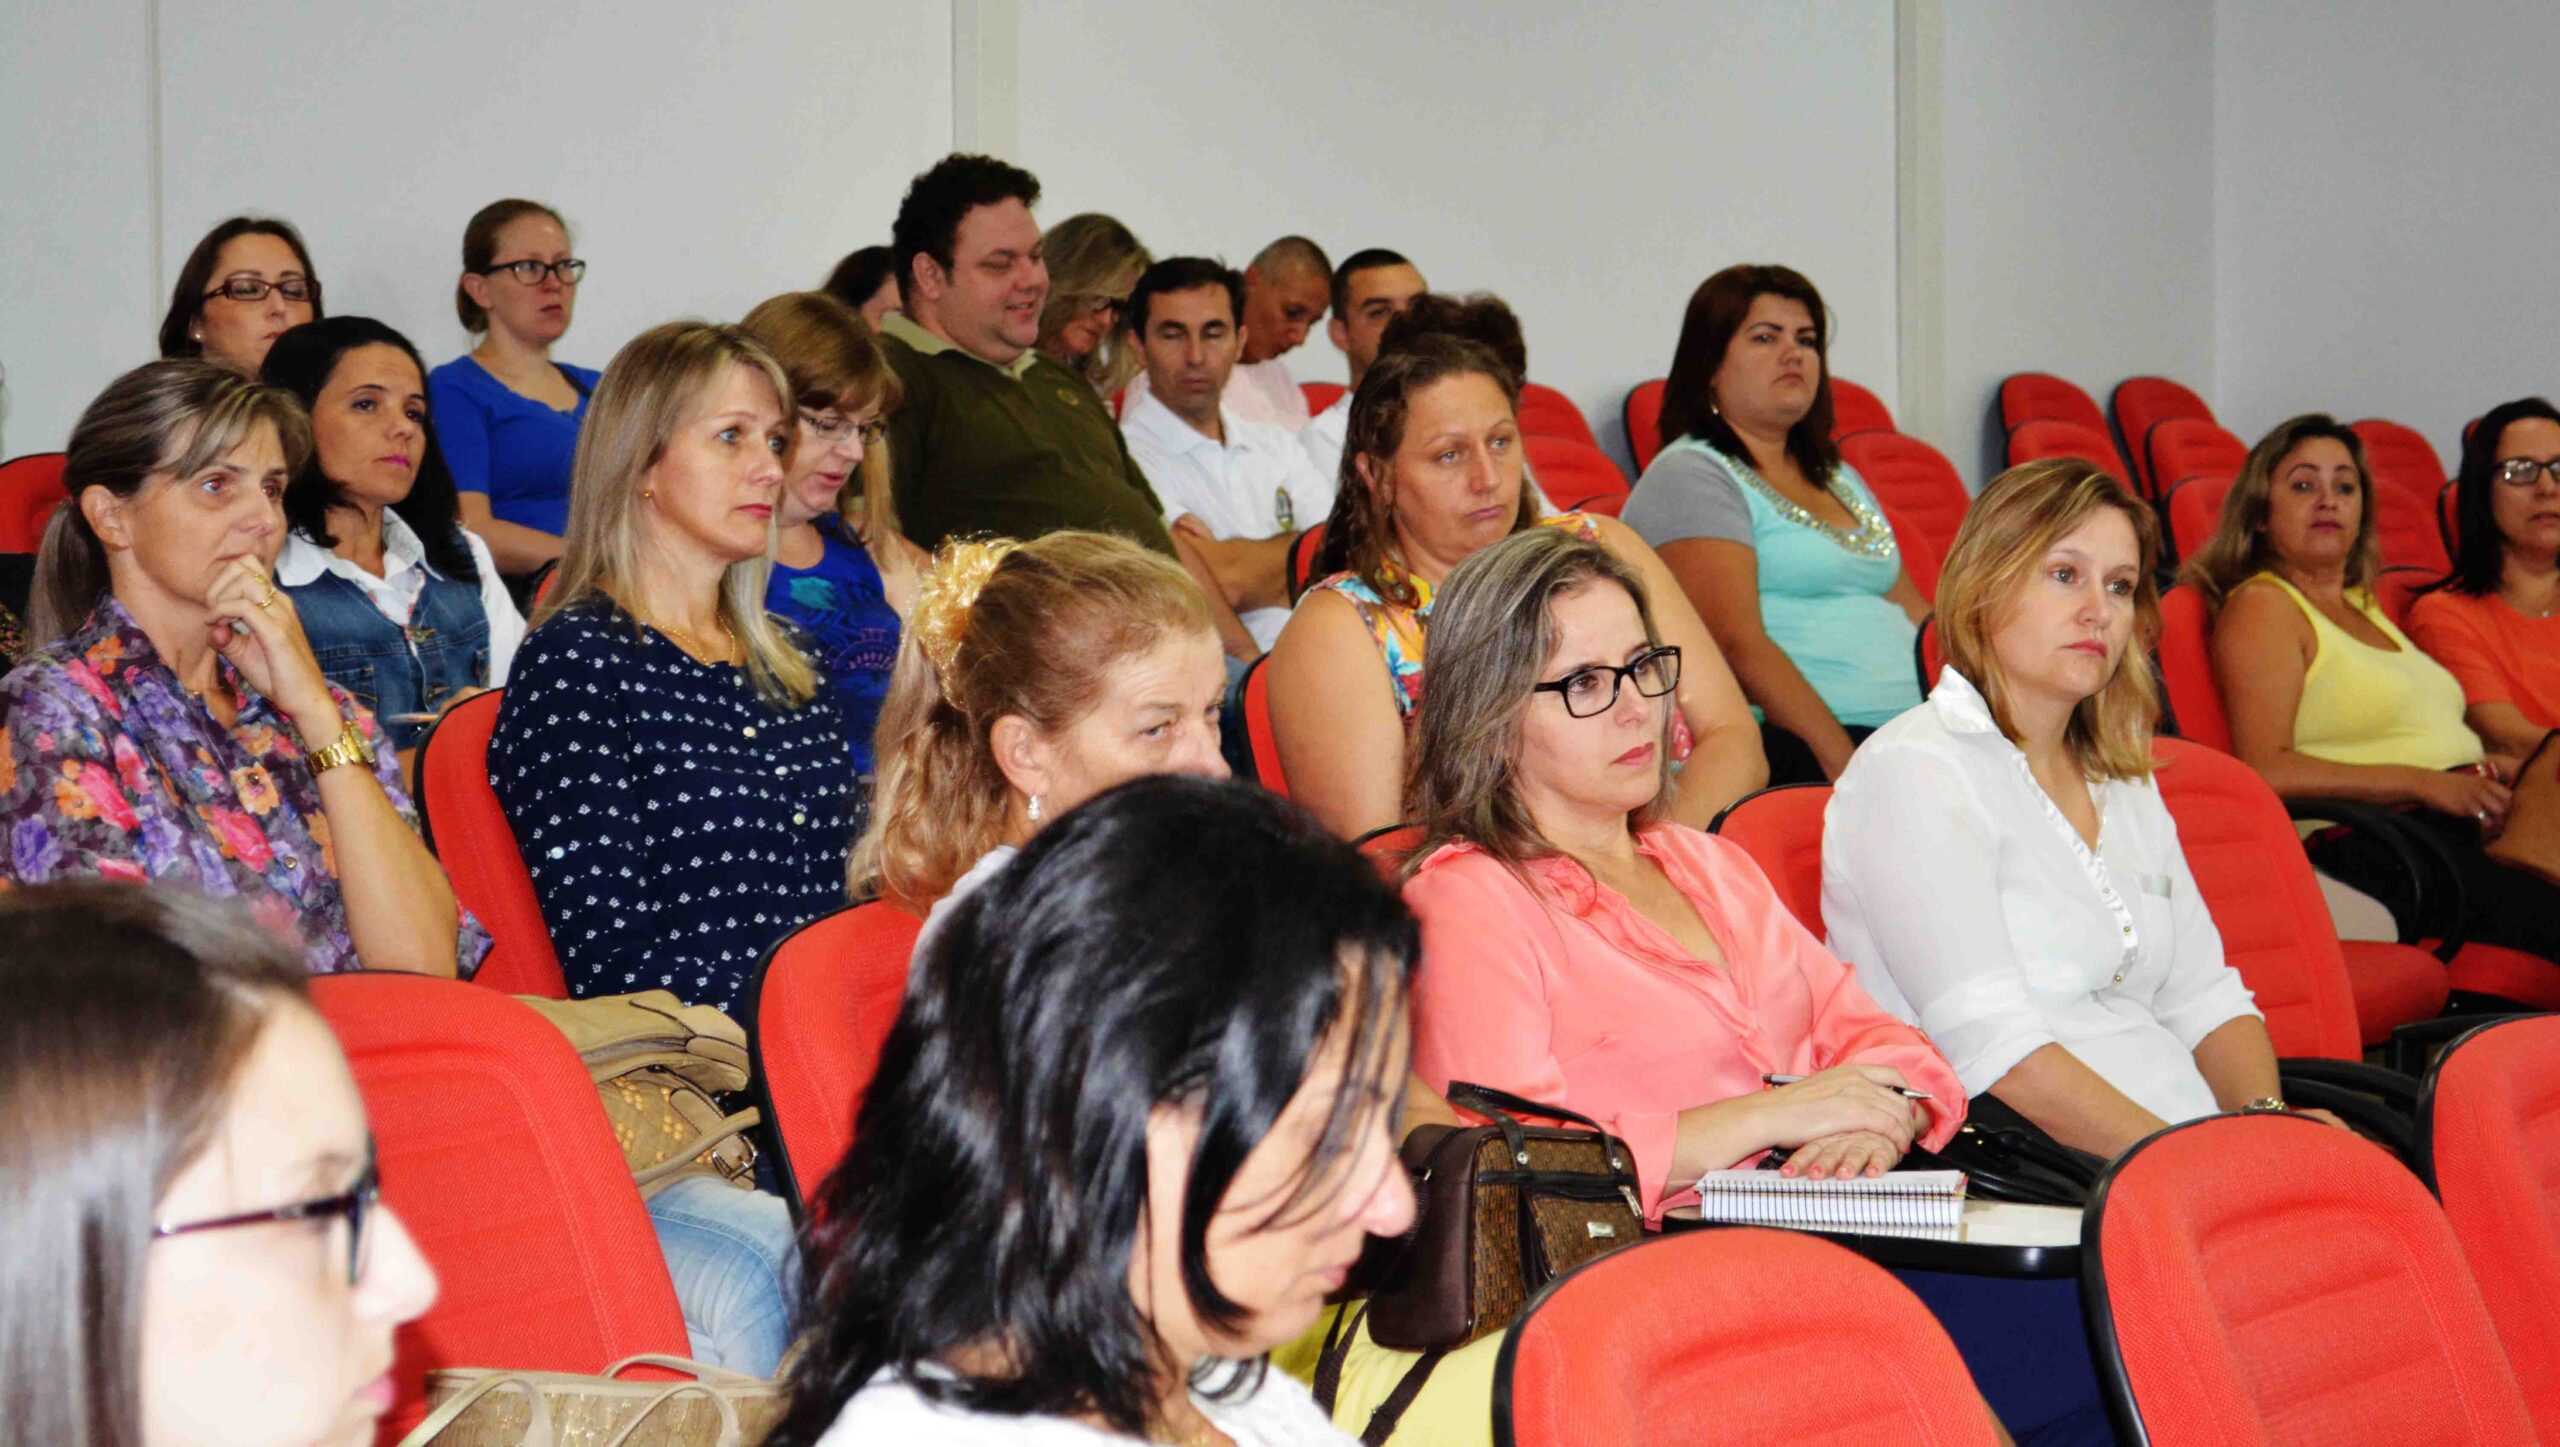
351, 748
2267, 1105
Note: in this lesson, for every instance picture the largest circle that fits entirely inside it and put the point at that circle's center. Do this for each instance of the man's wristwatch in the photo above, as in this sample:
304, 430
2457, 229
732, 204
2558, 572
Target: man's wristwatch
351, 748
2267, 1105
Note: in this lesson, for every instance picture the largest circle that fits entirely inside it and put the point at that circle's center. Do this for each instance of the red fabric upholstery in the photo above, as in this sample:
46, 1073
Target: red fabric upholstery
2028, 396
1643, 418
1257, 727
1734, 1336
459, 814
2496, 1165
2275, 926
1781, 829
2448, 518
2408, 478
825, 999
30, 489
1321, 395
1932, 658
1920, 492
2394, 984
2508, 974
501, 1163
1302, 559
1546, 412
2195, 510
2186, 669
2041, 437
1388, 847
2265, 1279
2178, 448
1571, 473
1854, 409
2397, 588
2143, 403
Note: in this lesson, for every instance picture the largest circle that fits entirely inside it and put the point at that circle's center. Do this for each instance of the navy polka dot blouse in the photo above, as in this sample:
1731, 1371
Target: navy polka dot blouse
675, 823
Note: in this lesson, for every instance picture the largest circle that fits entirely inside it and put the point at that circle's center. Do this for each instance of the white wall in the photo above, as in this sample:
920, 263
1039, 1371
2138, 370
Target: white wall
2387, 202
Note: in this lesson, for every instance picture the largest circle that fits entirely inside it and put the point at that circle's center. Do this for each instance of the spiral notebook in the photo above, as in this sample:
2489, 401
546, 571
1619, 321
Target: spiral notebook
1896, 1200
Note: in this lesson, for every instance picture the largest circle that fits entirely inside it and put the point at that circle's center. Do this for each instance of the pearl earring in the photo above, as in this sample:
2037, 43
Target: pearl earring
646, 495
1033, 809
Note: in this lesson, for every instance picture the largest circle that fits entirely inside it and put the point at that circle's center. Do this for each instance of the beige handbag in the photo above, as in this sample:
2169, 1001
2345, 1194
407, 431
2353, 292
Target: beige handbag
484, 1408
660, 1066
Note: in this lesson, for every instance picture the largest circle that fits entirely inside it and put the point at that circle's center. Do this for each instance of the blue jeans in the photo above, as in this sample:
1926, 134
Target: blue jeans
736, 1263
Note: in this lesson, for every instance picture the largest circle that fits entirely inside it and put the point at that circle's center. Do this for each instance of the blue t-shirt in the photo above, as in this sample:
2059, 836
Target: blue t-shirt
841, 605
506, 445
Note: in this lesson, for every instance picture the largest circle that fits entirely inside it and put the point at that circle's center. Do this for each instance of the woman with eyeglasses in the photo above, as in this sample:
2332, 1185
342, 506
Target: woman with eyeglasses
1094, 263
246, 283
186, 1264
2494, 620
841, 568
507, 415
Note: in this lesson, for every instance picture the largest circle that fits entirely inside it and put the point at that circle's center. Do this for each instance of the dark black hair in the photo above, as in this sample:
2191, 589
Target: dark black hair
1174, 940
186, 300
2479, 549
1717, 310
301, 362
857, 278
1182, 273
1356, 263
929, 217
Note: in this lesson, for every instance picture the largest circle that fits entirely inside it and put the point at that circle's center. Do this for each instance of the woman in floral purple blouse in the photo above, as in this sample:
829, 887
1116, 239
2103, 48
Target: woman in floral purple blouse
171, 722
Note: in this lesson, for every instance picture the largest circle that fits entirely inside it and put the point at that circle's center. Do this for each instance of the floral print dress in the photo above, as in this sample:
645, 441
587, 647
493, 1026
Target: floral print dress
110, 769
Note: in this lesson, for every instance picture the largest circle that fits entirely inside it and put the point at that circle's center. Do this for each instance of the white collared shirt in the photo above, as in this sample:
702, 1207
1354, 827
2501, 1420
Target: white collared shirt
1256, 392
1324, 435
404, 576
1970, 907
1235, 488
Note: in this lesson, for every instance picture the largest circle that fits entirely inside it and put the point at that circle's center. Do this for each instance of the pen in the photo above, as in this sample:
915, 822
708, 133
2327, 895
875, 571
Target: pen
1906, 1092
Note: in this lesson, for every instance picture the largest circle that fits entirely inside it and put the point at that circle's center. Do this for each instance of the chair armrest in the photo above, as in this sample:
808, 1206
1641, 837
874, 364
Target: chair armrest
2392, 1129
2436, 902
2413, 1044
2390, 1087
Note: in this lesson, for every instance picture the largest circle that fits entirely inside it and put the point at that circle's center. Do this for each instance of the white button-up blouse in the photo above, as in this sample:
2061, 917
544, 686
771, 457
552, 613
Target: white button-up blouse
1970, 907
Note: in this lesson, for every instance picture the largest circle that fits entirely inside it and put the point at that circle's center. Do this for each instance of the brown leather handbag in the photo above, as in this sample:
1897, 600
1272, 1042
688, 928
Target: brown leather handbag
1502, 1210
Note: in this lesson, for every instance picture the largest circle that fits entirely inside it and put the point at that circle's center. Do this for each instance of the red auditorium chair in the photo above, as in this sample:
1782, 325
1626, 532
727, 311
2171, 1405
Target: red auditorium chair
2029, 396
2449, 517
2486, 1149
1928, 657
1388, 848
2178, 448
2408, 481
1572, 473
30, 489
2396, 588
1919, 490
2270, 1279
1687, 1338
1643, 418
1302, 560
1854, 409
1607, 504
2041, 437
2143, 403
1546, 412
1257, 727
502, 1165
2194, 507
820, 1008
1321, 395
1780, 827
459, 817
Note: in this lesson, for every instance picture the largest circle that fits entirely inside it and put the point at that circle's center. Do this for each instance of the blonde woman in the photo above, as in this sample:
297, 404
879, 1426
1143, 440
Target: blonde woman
1094, 263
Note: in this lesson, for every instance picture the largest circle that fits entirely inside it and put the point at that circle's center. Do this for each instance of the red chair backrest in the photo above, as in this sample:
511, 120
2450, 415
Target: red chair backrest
2195, 510
501, 1163
2041, 437
1920, 492
2396, 588
1302, 559
2496, 1167
1928, 655
1683, 1338
1607, 504
2258, 1278
1854, 409
2257, 884
1781, 829
1257, 727
1643, 416
1546, 412
1321, 395
2449, 516
1387, 848
824, 1000
1571, 473
2405, 529
2028, 396
2408, 480
2142, 403
30, 489
459, 814
2186, 669
2400, 457
2178, 448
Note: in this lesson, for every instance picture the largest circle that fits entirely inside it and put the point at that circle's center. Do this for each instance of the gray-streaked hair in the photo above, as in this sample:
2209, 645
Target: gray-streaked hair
1492, 629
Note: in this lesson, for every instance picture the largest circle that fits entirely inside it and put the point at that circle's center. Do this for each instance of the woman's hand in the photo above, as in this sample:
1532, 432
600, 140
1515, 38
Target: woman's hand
1854, 1153
2462, 792
1844, 1100
255, 627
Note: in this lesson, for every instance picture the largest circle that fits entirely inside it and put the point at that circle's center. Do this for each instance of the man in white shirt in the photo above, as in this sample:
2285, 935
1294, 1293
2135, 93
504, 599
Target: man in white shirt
1285, 290
1236, 489
1370, 289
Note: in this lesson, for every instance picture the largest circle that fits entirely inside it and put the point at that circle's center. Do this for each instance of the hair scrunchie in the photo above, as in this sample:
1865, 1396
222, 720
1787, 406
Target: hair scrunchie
940, 618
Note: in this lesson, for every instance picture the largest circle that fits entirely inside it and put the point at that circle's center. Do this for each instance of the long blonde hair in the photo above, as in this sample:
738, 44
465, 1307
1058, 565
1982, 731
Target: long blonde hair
1000, 629
2238, 550
2020, 515
1092, 258
652, 387
834, 363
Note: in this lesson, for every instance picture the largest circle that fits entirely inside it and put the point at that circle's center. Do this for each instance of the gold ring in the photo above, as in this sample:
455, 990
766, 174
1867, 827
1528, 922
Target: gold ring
270, 595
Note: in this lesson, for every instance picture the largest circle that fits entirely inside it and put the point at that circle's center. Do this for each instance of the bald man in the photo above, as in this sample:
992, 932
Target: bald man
1286, 290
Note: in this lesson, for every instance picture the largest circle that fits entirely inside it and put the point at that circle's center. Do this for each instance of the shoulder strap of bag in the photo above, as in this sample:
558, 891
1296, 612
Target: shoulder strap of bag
1499, 1105
730, 1434
537, 1424
1337, 1347
1382, 1422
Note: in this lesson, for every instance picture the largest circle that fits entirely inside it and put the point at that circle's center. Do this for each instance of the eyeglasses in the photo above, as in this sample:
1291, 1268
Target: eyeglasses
532, 272
1655, 671
354, 1205
834, 427
255, 288
2524, 472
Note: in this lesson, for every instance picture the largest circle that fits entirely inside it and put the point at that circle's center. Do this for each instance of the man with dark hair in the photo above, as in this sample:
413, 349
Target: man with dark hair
1285, 288
1236, 490
1369, 289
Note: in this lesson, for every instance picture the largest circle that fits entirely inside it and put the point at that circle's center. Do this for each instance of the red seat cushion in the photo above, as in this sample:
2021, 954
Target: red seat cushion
2394, 985
2508, 974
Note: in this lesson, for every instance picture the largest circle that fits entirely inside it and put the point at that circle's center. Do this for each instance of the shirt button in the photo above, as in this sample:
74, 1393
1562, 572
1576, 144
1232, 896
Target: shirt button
748, 732
799, 818
292, 863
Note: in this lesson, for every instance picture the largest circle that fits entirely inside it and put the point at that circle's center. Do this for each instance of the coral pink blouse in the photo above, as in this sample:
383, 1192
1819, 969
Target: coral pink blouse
1569, 996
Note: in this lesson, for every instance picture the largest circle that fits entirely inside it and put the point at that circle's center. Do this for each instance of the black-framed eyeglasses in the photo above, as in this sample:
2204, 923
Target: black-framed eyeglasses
2524, 472
532, 272
255, 288
353, 1205
834, 427
1656, 671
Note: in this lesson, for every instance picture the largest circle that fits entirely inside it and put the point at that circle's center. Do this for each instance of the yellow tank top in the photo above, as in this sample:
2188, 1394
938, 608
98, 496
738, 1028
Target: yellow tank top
2367, 705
